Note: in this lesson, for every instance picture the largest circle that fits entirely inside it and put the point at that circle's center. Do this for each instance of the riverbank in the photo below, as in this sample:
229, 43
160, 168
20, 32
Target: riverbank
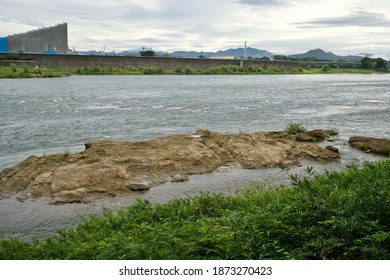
14, 71
338, 215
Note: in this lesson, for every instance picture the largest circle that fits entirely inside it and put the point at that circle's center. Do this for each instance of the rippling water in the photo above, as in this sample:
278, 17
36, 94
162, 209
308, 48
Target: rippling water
44, 116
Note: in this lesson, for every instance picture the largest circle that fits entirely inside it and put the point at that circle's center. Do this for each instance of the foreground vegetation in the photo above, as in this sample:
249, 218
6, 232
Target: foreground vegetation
338, 215
14, 71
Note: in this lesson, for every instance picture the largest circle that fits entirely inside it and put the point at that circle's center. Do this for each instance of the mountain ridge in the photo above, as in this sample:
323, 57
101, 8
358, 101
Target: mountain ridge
237, 53
321, 54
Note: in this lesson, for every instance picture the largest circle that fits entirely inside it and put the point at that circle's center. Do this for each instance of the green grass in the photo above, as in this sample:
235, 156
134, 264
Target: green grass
327, 70
25, 72
66, 153
338, 215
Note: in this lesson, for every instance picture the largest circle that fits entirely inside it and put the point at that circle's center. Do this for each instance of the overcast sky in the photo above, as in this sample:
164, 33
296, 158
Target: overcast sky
279, 26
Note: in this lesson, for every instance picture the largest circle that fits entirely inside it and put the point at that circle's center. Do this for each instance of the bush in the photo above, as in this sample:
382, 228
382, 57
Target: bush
150, 70
295, 128
184, 70
147, 53
14, 68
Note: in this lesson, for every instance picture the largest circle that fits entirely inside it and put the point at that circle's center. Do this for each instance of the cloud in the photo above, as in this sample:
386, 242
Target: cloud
262, 2
288, 26
358, 18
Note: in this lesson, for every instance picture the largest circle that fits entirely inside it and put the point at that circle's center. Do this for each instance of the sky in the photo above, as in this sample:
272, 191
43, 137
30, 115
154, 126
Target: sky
280, 26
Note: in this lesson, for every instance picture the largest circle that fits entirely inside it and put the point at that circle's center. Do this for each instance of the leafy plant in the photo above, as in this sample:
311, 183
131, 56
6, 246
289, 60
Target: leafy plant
295, 128
66, 153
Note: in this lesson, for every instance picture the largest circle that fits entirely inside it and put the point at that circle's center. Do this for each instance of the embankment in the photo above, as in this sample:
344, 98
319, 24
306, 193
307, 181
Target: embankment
165, 63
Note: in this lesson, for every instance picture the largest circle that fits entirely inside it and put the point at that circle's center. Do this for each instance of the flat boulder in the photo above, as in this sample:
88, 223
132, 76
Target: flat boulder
108, 168
378, 146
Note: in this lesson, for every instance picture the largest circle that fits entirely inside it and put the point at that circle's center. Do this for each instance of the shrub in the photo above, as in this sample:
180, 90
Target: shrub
66, 153
26, 72
14, 68
184, 70
295, 128
150, 70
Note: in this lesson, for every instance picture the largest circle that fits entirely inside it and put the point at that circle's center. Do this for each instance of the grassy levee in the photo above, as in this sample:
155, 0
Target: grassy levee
14, 71
338, 215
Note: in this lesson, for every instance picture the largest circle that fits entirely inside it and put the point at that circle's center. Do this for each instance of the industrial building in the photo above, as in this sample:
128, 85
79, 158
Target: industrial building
47, 40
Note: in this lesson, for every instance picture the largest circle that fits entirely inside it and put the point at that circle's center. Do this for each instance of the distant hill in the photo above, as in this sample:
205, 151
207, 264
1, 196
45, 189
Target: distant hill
191, 54
237, 53
321, 54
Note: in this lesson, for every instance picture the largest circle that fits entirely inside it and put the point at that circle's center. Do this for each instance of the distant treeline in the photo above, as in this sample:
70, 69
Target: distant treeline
364, 63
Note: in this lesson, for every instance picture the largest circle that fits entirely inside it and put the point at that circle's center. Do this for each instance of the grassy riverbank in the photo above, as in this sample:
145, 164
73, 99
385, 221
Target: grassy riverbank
26, 72
338, 215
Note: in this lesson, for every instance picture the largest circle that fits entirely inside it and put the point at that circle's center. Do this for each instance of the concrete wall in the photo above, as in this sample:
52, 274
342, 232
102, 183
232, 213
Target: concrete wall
165, 63
50, 39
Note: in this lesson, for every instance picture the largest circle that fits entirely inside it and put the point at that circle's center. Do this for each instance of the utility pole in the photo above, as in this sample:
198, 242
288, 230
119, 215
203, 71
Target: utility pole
245, 56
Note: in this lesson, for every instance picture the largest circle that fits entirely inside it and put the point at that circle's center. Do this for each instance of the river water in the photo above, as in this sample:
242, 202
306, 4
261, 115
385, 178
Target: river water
44, 116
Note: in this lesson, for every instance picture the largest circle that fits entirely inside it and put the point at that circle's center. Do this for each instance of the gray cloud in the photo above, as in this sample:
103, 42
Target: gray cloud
206, 25
261, 2
359, 18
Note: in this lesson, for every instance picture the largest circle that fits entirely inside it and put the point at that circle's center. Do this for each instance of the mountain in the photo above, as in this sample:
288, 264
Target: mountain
127, 52
321, 54
237, 53
191, 54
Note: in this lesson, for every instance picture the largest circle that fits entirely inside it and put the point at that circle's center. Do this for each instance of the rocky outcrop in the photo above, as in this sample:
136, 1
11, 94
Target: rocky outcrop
316, 135
111, 167
369, 144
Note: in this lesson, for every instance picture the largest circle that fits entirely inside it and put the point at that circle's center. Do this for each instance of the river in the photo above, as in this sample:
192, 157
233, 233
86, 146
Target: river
44, 116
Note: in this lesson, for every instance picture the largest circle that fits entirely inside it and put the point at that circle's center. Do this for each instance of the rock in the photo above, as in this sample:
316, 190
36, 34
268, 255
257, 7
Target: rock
138, 186
107, 168
316, 135
179, 178
332, 149
88, 145
304, 137
369, 144
75, 196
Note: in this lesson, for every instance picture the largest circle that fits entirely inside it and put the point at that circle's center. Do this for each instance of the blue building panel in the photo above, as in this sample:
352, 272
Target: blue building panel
49, 52
3, 45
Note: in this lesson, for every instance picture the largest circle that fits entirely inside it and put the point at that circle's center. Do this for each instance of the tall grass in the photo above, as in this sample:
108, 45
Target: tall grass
339, 215
26, 72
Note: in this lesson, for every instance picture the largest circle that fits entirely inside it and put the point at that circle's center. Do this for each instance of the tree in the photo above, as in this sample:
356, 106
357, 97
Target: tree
280, 57
147, 53
380, 63
366, 63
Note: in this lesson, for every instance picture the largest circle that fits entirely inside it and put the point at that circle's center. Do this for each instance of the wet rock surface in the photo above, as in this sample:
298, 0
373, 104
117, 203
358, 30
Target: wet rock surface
107, 168
378, 146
